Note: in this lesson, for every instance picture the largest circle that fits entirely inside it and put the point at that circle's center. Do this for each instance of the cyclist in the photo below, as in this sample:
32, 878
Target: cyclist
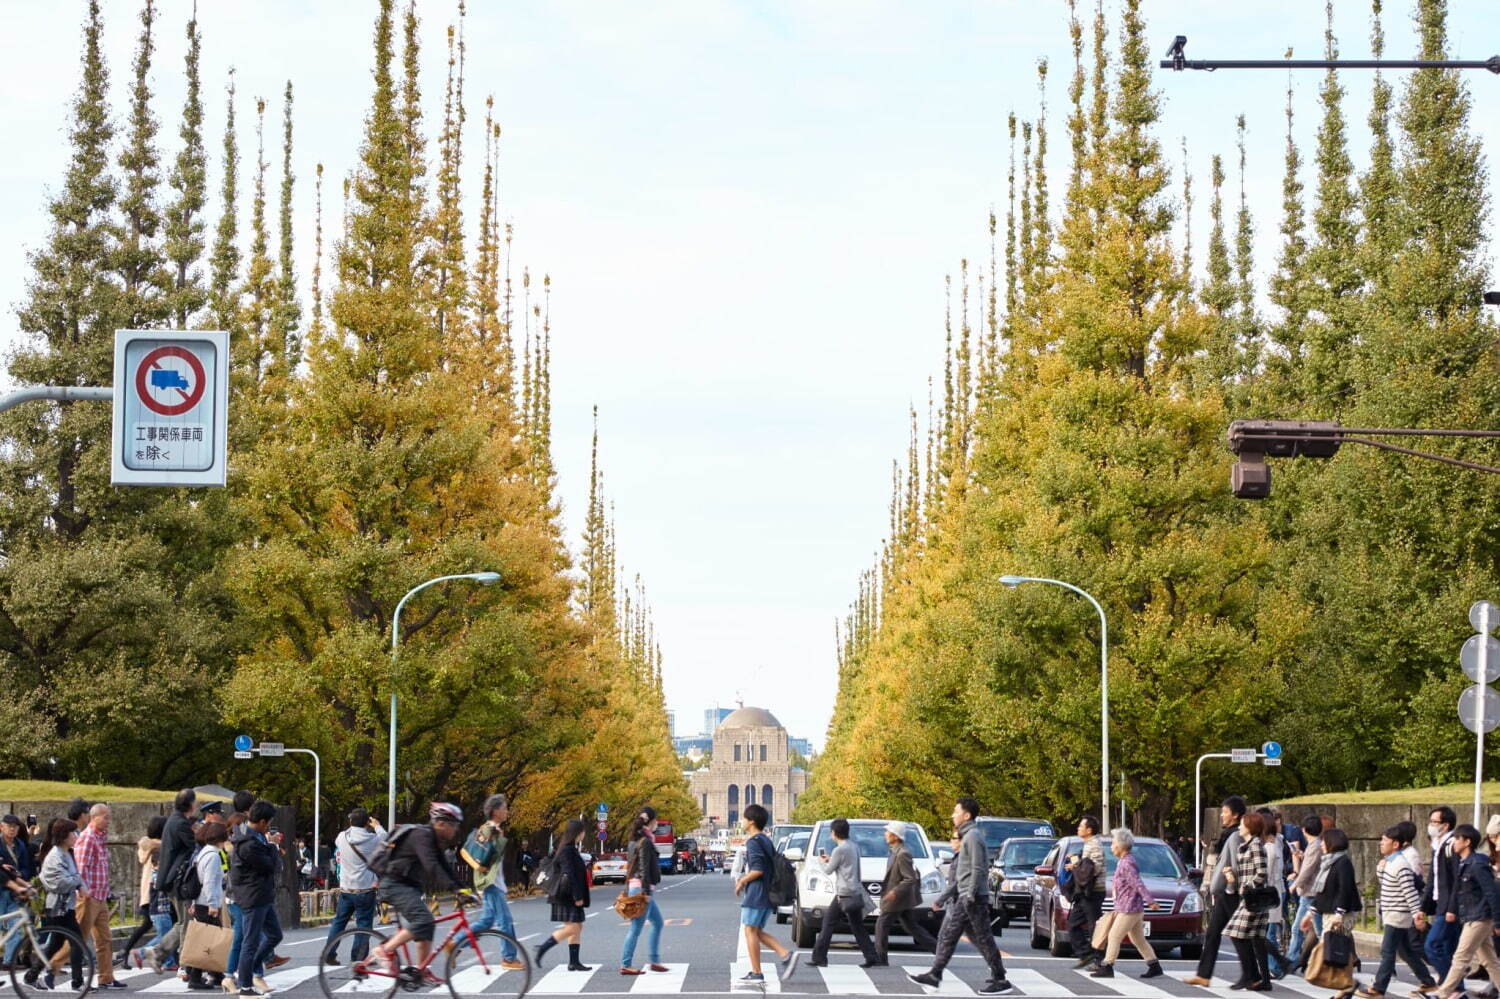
417, 860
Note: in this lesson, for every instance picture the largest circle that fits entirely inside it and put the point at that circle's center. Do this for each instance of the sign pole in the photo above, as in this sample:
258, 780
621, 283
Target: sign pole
244, 751
1484, 648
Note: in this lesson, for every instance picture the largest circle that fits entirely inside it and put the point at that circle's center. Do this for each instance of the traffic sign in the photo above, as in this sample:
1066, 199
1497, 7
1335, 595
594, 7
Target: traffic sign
243, 754
1242, 756
171, 391
1271, 751
1272, 761
242, 743
1469, 708
272, 749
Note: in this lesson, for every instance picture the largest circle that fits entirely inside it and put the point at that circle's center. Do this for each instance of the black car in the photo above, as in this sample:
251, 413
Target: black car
1011, 871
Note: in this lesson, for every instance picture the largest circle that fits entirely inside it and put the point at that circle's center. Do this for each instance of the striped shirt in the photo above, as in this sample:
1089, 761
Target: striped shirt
1399, 899
91, 854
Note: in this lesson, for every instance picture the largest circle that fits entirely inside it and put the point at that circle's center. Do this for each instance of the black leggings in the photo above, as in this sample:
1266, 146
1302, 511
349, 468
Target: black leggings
1254, 966
55, 942
145, 927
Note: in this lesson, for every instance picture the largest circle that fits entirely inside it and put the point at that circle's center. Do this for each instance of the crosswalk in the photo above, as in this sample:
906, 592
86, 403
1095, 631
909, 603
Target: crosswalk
962, 979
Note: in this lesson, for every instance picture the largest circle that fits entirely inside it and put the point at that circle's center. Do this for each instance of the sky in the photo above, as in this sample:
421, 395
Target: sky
747, 211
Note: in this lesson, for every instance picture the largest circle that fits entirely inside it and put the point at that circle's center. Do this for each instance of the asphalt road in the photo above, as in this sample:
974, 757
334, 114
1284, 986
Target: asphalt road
702, 946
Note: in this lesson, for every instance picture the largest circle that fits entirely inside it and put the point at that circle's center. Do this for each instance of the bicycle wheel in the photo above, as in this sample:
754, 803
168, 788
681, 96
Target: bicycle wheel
365, 977
472, 969
28, 976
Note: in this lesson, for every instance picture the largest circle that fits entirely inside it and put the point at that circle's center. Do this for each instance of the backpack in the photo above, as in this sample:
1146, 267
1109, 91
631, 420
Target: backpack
782, 888
187, 885
379, 860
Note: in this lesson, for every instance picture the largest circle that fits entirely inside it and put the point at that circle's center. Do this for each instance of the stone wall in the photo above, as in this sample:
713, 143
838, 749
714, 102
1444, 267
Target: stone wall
128, 824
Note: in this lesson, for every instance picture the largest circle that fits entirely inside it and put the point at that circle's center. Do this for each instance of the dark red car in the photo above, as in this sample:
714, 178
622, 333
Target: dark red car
1173, 919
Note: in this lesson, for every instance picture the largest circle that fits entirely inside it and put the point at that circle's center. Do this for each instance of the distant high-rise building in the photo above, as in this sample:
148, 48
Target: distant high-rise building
803, 746
712, 717
671, 723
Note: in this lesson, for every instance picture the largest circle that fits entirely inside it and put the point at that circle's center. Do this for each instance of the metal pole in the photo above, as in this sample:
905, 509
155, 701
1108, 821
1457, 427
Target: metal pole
317, 801
1198, 803
57, 393
1483, 688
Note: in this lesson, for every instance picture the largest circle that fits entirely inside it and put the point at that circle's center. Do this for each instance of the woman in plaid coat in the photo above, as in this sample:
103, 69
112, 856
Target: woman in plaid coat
1248, 929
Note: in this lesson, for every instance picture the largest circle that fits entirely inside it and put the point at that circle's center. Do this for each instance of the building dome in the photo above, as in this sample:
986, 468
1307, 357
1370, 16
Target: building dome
750, 718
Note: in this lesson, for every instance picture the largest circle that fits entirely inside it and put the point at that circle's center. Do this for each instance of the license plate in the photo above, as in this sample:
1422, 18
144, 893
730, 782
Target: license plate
1146, 927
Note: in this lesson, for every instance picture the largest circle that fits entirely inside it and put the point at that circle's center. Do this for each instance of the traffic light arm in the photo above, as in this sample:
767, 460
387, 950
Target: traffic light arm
1177, 61
1493, 470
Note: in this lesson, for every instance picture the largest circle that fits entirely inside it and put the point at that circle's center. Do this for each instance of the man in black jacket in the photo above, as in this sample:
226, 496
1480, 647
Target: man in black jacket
1474, 903
1222, 904
416, 861
1441, 874
177, 847
253, 875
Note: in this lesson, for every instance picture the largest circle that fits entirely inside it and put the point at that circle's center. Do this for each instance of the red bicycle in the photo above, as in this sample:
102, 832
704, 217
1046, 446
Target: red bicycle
471, 962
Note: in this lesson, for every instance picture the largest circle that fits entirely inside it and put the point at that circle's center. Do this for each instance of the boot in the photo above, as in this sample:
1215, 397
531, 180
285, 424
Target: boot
574, 964
1153, 970
1103, 971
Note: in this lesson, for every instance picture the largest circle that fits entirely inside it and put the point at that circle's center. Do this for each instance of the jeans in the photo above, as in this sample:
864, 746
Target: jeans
163, 925
1273, 947
496, 914
1298, 937
360, 905
262, 934
56, 942
8, 903
238, 915
1442, 941
1398, 940
653, 942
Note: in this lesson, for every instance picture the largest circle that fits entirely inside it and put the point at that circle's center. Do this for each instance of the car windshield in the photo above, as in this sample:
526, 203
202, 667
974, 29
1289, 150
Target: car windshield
870, 838
1025, 853
798, 841
1155, 860
997, 831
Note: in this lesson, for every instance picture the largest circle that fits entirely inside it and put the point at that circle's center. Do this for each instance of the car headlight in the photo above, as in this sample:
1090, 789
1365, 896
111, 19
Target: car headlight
1011, 884
1192, 902
932, 883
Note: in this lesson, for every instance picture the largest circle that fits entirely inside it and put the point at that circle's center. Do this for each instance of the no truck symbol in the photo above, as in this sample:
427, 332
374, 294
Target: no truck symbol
162, 384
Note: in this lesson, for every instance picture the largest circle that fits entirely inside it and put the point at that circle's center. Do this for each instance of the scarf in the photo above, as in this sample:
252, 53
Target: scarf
1325, 864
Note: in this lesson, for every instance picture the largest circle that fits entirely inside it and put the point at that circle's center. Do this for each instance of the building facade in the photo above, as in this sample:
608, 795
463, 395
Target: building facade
752, 765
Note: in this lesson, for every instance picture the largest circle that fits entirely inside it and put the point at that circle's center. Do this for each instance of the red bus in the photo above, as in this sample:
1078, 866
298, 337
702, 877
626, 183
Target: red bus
666, 843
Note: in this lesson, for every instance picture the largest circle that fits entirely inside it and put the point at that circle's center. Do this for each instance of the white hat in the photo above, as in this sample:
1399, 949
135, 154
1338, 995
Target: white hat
1493, 829
896, 829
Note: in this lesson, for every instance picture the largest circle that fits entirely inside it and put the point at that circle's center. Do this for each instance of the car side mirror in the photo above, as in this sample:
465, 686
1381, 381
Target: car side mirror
794, 854
1045, 871
1196, 876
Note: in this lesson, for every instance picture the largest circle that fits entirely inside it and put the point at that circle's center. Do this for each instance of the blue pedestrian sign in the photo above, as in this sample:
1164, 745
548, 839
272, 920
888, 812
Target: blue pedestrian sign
1272, 750
242, 743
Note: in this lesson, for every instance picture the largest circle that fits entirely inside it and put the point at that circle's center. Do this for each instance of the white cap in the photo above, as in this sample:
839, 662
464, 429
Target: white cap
897, 829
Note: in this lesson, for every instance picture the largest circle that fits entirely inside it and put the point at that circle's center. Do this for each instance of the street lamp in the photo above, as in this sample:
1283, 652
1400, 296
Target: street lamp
483, 578
1011, 582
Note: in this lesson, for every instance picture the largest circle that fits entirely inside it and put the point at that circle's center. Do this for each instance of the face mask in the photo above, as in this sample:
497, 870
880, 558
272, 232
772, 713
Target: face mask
1433, 832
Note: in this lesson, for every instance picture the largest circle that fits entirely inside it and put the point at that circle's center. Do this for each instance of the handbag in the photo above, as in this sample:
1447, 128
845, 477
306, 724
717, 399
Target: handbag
206, 946
1262, 899
630, 906
1322, 971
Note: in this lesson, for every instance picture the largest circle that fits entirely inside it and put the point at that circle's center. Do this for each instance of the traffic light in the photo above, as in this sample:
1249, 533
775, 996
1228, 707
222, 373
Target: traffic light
1253, 441
1250, 478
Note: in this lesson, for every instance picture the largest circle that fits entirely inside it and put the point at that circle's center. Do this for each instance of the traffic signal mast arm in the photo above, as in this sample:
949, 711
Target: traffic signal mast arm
1322, 439
1177, 61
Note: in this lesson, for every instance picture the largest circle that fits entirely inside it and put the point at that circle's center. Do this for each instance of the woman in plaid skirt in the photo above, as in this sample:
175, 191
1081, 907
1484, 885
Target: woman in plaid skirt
1248, 929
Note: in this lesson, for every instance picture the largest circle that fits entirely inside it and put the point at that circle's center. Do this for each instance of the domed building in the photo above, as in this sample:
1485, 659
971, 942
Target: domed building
752, 765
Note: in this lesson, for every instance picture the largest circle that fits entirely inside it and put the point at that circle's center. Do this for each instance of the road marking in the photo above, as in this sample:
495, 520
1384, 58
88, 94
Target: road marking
739, 969
679, 921
472, 981
653, 982
951, 985
1297, 985
1034, 983
282, 981
1136, 989
848, 979
562, 982
171, 985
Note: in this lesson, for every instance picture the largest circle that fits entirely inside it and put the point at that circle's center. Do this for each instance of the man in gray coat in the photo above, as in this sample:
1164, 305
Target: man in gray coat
849, 898
1222, 903
968, 900
900, 895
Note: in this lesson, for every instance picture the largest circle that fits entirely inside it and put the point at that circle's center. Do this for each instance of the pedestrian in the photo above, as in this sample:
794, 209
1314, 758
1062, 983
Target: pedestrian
15, 854
177, 847
969, 906
1247, 926
1335, 891
147, 849
484, 852
753, 889
850, 901
568, 890
1400, 911
91, 856
78, 813
1442, 873
416, 860
253, 874
238, 822
1221, 903
208, 907
1302, 889
642, 872
900, 895
1086, 890
1277, 856
1474, 901
1131, 895
352, 850
64, 887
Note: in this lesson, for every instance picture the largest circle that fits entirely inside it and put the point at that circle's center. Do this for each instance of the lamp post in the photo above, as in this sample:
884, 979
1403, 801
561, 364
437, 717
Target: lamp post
1011, 582
484, 578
